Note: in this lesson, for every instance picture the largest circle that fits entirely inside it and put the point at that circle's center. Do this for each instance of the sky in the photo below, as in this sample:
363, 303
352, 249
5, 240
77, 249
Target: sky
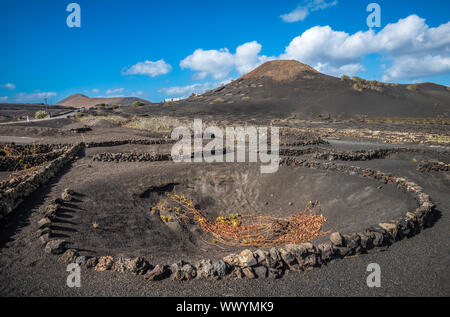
160, 50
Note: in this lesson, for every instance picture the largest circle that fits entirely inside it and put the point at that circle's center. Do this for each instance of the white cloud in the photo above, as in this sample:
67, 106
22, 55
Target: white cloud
411, 67
403, 42
137, 93
114, 91
95, 91
247, 57
149, 68
302, 11
189, 89
9, 86
406, 48
34, 96
219, 63
4, 98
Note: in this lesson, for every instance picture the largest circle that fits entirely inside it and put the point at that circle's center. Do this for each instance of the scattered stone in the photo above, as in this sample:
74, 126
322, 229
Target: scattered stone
273, 259
57, 201
41, 232
138, 266
44, 223
220, 268
158, 273
352, 241
288, 258
336, 239
91, 262
260, 271
246, 258
378, 239
56, 246
67, 194
391, 228
260, 256
51, 210
365, 241
248, 272
205, 269
231, 259
238, 273
104, 263
45, 238
119, 265
70, 256
326, 251
343, 251
275, 273
183, 271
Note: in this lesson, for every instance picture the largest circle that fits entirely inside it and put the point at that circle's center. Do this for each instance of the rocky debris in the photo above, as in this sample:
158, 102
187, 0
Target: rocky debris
210, 269
131, 157
205, 269
23, 162
14, 191
305, 142
45, 238
132, 141
67, 194
159, 272
261, 271
91, 262
104, 263
391, 228
231, 259
326, 251
44, 223
249, 273
428, 166
183, 271
43, 231
70, 256
274, 260
238, 273
336, 239
56, 246
246, 258
137, 266
50, 210
360, 155
220, 269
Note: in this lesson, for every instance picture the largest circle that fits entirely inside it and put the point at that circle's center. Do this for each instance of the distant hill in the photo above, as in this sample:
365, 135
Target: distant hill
288, 88
80, 101
20, 111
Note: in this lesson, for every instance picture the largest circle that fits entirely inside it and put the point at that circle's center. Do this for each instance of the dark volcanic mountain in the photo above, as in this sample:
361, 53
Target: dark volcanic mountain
80, 101
289, 88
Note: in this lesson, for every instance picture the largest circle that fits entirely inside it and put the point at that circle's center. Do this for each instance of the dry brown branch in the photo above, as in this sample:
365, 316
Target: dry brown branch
253, 230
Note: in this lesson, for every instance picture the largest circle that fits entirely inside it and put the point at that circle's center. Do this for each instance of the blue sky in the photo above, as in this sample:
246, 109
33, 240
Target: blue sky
169, 49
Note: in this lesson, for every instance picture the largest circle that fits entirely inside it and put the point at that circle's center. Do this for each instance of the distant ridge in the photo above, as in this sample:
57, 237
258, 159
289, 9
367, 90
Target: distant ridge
80, 101
290, 89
